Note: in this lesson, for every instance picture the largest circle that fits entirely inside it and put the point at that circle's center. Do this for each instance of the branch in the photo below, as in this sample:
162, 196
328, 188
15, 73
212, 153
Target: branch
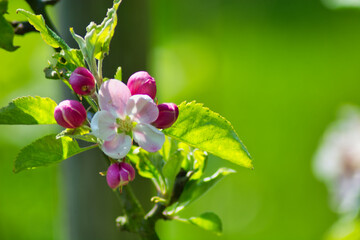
21, 28
134, 219
156, 212
50, 2
181, 179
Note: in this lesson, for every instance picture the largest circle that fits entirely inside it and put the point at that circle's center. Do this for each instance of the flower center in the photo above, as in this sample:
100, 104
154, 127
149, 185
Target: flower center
124, 125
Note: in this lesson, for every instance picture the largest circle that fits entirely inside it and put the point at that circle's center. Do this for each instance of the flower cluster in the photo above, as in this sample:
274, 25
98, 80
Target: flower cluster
127, 113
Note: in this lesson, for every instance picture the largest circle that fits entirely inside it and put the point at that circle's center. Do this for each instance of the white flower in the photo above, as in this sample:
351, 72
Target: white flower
122, 117
337, 161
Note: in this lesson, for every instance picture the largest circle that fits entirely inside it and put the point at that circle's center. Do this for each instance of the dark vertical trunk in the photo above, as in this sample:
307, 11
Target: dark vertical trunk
91, 207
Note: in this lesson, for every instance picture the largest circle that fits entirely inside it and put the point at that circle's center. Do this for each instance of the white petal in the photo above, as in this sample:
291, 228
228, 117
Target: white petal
103, 125
117, 147
148, 137
142, 109
113, 96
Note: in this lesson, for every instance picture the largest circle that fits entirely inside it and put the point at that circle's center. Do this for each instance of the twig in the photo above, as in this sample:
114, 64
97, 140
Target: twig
21, 28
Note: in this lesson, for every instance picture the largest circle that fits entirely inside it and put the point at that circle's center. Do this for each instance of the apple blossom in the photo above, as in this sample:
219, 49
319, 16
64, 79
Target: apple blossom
123, 117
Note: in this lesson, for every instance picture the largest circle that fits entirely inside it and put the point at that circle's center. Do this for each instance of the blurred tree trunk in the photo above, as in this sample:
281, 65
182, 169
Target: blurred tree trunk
91, 206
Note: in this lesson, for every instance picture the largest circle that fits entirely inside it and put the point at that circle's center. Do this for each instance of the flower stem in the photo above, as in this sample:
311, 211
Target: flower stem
134, 219
100, 63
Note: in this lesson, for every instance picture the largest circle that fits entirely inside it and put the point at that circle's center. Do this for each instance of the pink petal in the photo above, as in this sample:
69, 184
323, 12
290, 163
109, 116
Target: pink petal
113, 175
128, 168
117, 147
148, 137
142, 109
113, 96
103, 125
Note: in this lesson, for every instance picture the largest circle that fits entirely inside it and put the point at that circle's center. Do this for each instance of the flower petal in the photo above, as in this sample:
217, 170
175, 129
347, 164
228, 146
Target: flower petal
117, 147
142, 109
148, 137
103, 125
113, 96
113, 175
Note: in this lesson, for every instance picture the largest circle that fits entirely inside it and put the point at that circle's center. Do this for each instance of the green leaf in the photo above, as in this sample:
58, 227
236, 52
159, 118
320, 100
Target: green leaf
202, 128
149, 165
200, 160
28, 110
195, 189
118, 74
96, 42
104, 32
81, 133
51, 38
172, 168
48, 35
3, 6
195, 160
345, 228
6, 30
87, 51
46, 151
208, 221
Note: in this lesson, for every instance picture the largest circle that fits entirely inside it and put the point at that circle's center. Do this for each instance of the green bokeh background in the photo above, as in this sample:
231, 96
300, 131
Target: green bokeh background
277, 69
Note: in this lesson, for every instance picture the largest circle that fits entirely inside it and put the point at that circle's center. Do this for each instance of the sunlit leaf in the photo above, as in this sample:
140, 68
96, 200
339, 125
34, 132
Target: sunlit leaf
195, 189
81, 133
118, 74
208, 221
204, 129
97, 39
346, 228
200, 160
46, 151
51, 38
48, 35
148, 165
28, 110
103, 32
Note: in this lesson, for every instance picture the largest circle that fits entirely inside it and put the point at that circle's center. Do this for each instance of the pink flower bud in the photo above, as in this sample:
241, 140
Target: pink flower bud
119, 174
82, 81
70, 114
142, 83
168, 113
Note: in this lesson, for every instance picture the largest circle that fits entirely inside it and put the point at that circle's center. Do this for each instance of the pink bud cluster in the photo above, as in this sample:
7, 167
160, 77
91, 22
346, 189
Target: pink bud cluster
71, 113
142, 83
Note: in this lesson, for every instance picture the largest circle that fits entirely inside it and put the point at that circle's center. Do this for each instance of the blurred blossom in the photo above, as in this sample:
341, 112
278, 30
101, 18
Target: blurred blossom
342, 3
337, 161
